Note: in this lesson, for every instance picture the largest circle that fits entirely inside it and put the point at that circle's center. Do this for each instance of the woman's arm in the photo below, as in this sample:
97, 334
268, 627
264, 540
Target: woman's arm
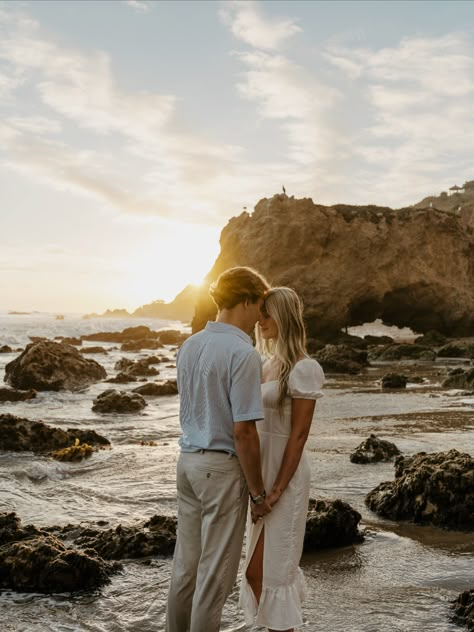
302, 411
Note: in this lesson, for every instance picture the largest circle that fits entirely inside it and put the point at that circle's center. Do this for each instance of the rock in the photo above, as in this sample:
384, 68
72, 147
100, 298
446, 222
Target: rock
180, 308
18, 434
401, 352
458, 378
141, 368
111, 401
172, 337
341, 359
373, 450
76, 452
6, 349
457, 350
156, 536
142, 343
51, 366
435, 489
11, 395
353, 264
93, 350
394, 380
123, 364
313, 345
128, 334
153, 359
75, 342
378, 340
33, 560
431, 339
122, 378
463, 608
169, 387
331, 523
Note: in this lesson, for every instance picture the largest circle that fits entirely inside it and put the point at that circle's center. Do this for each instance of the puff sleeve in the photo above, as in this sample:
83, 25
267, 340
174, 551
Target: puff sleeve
306, 379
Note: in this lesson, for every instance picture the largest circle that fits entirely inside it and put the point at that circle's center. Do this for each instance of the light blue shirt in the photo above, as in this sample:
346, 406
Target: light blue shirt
219, 383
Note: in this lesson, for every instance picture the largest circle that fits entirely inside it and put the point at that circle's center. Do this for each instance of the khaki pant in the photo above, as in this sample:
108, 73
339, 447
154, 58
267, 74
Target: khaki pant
212, 508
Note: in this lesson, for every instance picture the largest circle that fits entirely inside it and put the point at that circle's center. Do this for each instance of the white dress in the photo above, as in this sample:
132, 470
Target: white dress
283, 590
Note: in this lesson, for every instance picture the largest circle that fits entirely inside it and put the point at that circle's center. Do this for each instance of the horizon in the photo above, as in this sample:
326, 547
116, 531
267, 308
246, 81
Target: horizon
122, 162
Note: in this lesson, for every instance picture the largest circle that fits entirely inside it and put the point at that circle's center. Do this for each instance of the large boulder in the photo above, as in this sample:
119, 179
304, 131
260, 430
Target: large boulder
373, 450
112, 401
433, 489
33, 560
18, 435
331, 523
52, 366
354, 264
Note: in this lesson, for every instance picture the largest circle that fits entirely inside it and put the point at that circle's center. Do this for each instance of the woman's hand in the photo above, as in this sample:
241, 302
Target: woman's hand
274, 496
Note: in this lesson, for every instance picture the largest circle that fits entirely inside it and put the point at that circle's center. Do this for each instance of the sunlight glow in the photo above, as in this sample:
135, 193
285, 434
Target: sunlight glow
182, 256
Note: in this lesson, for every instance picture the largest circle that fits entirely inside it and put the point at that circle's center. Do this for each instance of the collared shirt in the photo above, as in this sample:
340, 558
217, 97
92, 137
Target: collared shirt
219, 383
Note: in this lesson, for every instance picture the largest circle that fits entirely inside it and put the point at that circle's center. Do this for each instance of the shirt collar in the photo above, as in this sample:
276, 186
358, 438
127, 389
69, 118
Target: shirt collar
224, 328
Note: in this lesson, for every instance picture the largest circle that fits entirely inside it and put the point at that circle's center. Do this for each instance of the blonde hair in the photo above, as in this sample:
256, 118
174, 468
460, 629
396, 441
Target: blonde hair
285, 307
236, 285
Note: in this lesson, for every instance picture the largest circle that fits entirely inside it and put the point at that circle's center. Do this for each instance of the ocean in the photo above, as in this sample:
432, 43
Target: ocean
401, 578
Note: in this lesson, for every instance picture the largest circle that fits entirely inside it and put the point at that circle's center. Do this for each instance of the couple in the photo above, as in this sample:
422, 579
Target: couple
224, 459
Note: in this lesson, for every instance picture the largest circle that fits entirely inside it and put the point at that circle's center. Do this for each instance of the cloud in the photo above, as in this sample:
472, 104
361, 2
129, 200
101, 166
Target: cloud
420, 121
247, 24
152, 169
139, 5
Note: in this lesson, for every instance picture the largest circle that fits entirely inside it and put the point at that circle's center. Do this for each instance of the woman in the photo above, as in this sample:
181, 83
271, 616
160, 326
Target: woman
273, 587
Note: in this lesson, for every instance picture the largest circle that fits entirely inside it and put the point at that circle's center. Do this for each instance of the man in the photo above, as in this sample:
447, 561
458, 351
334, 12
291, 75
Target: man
219, 375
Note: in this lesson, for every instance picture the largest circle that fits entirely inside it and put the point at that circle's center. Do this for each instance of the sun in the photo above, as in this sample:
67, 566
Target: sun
180, 255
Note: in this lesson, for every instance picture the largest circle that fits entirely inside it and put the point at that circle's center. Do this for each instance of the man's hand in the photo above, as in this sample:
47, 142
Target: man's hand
258, 511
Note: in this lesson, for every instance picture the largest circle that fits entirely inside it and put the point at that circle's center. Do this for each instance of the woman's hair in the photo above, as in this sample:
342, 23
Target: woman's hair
236, 285
285, 307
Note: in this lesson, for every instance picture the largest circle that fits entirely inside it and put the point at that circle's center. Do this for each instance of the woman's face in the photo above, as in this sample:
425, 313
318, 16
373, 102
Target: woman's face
268, 327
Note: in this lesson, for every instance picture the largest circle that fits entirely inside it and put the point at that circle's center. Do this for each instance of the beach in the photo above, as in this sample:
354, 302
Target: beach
401, 578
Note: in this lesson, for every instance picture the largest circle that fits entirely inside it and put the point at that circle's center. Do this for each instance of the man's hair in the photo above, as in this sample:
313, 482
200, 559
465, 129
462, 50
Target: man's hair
236, 285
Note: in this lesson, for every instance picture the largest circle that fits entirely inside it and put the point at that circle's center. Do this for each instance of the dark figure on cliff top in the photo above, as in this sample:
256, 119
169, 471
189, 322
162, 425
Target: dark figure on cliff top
284, 190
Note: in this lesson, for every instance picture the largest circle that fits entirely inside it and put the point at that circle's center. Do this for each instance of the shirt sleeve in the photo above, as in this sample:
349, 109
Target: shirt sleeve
245, 389
306, 380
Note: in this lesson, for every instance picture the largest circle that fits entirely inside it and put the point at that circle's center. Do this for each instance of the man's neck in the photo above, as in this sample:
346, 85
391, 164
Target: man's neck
232, 317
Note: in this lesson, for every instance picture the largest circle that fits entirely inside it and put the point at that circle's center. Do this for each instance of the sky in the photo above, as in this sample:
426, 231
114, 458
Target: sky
132, 131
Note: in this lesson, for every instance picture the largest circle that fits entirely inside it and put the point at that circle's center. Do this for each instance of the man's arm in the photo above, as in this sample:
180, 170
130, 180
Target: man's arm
247, 445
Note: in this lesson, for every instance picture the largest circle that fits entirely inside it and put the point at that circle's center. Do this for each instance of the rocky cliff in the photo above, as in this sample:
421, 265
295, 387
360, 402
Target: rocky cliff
180, 308
460, 201
409, 267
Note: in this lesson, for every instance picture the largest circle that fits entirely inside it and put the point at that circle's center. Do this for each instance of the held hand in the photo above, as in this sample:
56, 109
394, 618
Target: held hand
258, 511
273, 497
